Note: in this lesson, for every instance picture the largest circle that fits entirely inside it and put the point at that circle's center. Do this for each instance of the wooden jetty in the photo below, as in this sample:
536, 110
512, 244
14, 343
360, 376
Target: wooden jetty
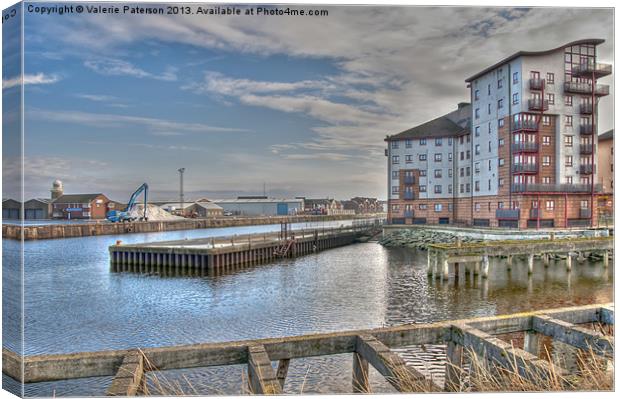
441, 256
462, 338
223, 253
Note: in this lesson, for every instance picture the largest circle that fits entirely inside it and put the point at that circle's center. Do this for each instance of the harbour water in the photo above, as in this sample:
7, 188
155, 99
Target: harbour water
73, 302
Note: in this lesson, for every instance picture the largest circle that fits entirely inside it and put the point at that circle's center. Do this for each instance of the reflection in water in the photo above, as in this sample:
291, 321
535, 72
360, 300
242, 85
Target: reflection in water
74, 303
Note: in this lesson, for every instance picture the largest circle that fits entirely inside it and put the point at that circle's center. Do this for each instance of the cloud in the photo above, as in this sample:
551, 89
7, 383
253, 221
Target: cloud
115, 67
97, 97
36, 79
323, 156
119, 121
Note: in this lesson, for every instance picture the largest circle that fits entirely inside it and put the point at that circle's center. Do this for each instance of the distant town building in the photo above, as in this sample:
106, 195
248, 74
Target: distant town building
261, 206
198, 209
80, 206
325, 206
606, 161
524, 156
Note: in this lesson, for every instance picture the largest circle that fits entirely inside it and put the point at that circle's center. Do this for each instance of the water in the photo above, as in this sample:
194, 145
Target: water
74, 303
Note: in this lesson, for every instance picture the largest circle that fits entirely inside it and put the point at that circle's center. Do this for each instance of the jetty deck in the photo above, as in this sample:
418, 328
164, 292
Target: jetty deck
222, 253
441, 256
463, 338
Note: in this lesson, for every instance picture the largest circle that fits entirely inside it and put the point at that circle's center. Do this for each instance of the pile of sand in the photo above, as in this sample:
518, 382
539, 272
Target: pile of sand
153, 213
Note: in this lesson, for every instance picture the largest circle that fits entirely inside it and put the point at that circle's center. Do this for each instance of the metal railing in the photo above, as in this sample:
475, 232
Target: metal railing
409, 180
408, 196
586, 169
555, 188
537, 84
524, 167
537, 104
585, 213
511, 214
524, 124
524, 146
589, 68
586, 88
408, 214
586, 128
586, 148
585, 108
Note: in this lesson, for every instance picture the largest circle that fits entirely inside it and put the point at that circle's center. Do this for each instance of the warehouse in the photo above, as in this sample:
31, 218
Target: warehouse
10, 209
261, 206
37, 208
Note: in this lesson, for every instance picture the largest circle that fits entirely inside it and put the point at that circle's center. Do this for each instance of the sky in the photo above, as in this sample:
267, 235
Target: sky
300, 105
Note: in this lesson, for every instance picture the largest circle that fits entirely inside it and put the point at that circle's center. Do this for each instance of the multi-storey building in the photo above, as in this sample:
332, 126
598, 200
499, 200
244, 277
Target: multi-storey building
605, 153
528, 158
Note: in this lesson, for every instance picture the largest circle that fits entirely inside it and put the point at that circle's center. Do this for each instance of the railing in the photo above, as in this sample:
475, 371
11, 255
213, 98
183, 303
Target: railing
409, 180
586, 88
524, 124
408, 196
555, 188
524, 146
524, 167
537, 104
585, 108
589, 68
586, 128
585, 213
408, 214
511, 214
586, 148
586, 169
537, 84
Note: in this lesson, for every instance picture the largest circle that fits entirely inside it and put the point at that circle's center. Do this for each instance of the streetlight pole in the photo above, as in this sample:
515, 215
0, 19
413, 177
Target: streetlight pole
181, 171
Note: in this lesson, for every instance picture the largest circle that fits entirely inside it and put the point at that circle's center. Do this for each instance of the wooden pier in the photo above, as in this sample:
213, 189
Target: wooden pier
471, 337
225, 253
441, 256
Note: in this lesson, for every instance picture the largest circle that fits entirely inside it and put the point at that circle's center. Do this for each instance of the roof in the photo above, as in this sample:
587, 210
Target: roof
452, 124
43, 200
208, 205
176, 205
76, 198
255, 200
608, 135
522, 53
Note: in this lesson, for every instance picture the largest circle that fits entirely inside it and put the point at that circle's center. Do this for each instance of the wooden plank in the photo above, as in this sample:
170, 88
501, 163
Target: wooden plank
129, 377
282, 371
464, 259
261, 377
579, 337
392, 367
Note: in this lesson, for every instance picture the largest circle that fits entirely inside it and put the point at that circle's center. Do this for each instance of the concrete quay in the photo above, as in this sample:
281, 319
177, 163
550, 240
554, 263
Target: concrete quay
478, 337
441, 256
50, 231
226, 253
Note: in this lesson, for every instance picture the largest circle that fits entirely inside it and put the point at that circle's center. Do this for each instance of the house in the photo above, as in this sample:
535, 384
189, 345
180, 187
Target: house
80, 206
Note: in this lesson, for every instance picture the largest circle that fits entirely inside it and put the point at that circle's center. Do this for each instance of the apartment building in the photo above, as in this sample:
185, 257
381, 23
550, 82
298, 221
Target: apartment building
527, 159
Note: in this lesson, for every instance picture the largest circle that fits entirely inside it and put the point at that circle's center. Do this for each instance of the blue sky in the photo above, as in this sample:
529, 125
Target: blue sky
299, 104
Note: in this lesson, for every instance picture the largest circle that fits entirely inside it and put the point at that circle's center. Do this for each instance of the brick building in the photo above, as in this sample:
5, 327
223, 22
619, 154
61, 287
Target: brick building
80, 206
525, 155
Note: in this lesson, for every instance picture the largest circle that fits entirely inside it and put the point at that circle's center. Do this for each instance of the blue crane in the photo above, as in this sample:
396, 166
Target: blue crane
125, 216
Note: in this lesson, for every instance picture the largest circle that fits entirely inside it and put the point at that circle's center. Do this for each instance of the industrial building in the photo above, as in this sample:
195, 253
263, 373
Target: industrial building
261, 206
199, 209
522, 154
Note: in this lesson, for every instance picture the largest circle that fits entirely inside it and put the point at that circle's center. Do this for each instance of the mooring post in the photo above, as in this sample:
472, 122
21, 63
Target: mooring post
546, 259
569, 262
476, 268
606, 259
530, 264
429, 270
445, 272
454, 367
509, 262
531, 342
360, 374
485, 266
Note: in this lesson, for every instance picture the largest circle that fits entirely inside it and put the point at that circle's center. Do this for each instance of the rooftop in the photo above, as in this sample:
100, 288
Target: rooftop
608, 135
454, 123
76, 198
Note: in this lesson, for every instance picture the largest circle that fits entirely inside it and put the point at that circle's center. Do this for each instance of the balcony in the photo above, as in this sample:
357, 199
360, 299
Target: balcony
586, 149
408, 196
507, 214
586, 169
586, 129
585, 109
555, 188
585, 213
524, 168
586, 88
537, 104
537, 84
535, 213
524, 146
408, 214
409, 180
524, 124
587, 69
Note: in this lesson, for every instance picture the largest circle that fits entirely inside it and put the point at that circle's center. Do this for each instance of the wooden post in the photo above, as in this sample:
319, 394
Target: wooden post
546, 259
509, 262
261, 377
282, 371
445, 272
476, 268
485, 266
530, 264
429, 269
129, 377
606, 259
360, 374
454, 367
569, 262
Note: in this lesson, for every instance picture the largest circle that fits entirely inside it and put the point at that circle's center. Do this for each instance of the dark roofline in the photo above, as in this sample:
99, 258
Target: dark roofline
90, 196
544, 52
608, 135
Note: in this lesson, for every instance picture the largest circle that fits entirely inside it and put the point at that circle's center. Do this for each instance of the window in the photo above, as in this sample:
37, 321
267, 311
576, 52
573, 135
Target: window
467, 171
515, 77
551, 98
500, 205
477, 185
501, 142
568, 161
423, 188
500, 123
489, 89
422, 207
438, 189
546, 140
477, 95
477, 131
477, 113
395, 208
408, 143
462, 172
395, 159
394, 174
568, 179
550, 205
467, 187
477, 206
422, 141
449, 188
501, 162
437, 157
515, 98
477, 167
438, 173
585, 204
477, 149
462, 188
449, 156
408, 158
489, 164
489, 146
568, 101
501, 182
500, 83
449, 141
568, 120
422, 157
489, 109
568, 141
546, 180
550, 78
449, 172
462, 155
438, 142
394, 144
546, 120
467, 154
394, 189
438, 207
423, 173
546, 160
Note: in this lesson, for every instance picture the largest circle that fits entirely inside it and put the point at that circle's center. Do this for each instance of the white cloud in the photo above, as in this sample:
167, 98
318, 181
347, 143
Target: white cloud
115, 67
36, 79
321, 156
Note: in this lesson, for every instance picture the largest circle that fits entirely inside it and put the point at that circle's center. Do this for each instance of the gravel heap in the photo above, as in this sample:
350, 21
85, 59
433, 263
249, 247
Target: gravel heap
153, 213
420, 238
